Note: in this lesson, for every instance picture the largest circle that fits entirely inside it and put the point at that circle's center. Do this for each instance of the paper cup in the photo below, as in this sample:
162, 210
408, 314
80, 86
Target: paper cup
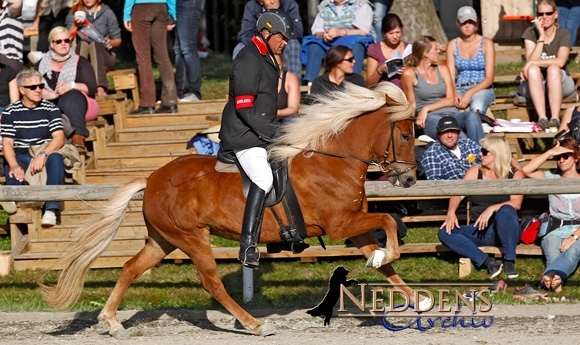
80, 15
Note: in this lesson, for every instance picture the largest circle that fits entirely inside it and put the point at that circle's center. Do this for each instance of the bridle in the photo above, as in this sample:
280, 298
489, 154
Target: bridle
386, 165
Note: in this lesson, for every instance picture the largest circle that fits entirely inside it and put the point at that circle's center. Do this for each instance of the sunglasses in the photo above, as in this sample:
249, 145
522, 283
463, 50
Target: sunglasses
34, 87
565, 156
541, 14
484, 151
350, 59
66, 40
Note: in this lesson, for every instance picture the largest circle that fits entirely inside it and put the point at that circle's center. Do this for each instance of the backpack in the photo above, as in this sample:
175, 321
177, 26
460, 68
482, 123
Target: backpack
574, 126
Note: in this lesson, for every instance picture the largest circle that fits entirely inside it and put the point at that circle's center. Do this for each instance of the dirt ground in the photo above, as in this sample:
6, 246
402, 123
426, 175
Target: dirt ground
523, 324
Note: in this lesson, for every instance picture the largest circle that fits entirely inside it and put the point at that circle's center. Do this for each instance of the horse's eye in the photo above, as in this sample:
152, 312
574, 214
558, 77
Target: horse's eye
405, 137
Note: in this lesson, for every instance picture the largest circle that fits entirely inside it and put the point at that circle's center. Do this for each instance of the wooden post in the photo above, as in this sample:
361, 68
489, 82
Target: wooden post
5, 263
464, 267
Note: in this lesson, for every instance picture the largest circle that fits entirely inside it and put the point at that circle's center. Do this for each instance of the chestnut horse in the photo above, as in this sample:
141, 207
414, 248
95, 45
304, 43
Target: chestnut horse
329, 148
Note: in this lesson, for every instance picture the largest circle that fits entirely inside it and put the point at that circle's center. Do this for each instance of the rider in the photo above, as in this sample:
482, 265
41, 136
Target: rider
249, 120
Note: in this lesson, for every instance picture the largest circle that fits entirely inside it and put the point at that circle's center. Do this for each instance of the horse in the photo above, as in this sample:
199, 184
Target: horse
329, 148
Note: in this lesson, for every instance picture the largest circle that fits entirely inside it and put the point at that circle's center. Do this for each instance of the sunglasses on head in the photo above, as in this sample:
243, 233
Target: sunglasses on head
34, 87
350, 59
66, 40
484, 151
540, 14
565, 156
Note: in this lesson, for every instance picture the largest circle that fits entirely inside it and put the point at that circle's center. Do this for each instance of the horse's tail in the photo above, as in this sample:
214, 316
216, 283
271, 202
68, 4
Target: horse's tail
89, 240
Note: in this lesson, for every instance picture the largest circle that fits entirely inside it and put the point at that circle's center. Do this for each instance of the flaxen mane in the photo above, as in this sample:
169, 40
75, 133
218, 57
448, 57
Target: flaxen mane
332, 112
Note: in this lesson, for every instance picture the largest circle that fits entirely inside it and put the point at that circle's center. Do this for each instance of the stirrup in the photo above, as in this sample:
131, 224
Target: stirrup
248, 264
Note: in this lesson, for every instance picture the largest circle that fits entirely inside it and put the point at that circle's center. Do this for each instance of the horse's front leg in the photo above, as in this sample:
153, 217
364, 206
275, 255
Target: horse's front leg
377, 257
366, 243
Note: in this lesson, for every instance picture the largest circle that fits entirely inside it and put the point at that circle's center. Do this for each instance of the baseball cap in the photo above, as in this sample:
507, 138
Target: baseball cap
447, 123
466, 13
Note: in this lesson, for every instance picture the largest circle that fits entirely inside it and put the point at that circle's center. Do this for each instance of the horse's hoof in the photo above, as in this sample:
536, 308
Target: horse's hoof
376, 259
265, 330
119, 333
425, 305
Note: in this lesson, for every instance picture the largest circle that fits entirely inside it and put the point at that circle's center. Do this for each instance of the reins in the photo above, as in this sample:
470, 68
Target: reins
384, 166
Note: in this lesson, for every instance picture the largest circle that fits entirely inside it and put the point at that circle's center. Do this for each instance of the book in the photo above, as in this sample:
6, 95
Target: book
397, 61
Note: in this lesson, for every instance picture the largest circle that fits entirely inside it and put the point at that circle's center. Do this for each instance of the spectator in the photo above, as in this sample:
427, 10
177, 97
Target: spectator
338, 68
568, 115
344, 22
545, 73
450, 157
569, 17
187, 64
473, 56
49, 14
101, 56
149, 21
8, 87
378, 53
429, 89
288, 92
28, 122
12, 38
69, 82
381, 8
561, 246
252, 11
496, 216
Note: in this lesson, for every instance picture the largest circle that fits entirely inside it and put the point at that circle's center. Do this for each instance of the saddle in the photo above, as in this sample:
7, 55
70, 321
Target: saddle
282, 191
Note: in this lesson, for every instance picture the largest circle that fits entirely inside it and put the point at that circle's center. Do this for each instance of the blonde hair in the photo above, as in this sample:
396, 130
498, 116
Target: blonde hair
553, 5
420, 46
502, 153
55, 31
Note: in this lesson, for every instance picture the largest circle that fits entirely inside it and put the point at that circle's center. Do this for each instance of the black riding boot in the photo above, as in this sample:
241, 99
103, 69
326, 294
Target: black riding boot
251, 227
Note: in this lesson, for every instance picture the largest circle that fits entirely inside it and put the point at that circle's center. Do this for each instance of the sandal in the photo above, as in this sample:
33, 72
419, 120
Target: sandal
528, 292
498, 286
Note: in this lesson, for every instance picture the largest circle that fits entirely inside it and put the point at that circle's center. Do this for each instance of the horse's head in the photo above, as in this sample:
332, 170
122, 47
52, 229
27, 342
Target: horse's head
395, 150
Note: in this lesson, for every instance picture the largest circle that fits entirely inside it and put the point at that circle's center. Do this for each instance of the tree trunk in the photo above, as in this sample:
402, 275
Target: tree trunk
419, 18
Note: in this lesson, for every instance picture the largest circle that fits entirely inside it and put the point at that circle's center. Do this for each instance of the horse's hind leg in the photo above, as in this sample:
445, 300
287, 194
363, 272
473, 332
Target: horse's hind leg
199, 250
153, 252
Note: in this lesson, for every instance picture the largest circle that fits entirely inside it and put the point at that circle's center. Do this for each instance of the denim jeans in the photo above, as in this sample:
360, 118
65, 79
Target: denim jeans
469, 122
291, 57
381, 7
503, 230
187, 64
54, 174
569, 18
561, 263
481, 100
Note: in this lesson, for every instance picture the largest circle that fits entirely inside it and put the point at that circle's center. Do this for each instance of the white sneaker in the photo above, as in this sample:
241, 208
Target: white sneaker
48, 219
9, 206
189, 97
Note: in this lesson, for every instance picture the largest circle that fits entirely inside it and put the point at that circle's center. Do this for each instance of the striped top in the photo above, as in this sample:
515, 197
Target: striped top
11, 36
29, 127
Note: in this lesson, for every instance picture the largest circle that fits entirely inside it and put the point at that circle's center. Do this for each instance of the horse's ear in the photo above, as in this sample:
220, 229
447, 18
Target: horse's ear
390, 100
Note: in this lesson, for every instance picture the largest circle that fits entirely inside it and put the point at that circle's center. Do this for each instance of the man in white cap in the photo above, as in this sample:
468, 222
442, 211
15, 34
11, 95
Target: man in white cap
450, 157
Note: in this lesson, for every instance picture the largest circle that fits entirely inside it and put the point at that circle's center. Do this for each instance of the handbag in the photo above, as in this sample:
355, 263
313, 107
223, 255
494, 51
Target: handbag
534, 227
547, 224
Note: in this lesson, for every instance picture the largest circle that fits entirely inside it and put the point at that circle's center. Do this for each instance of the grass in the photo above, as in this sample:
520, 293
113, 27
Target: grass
278, 283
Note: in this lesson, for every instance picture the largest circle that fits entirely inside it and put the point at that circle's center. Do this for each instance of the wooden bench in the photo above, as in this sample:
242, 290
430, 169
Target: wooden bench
126, 80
